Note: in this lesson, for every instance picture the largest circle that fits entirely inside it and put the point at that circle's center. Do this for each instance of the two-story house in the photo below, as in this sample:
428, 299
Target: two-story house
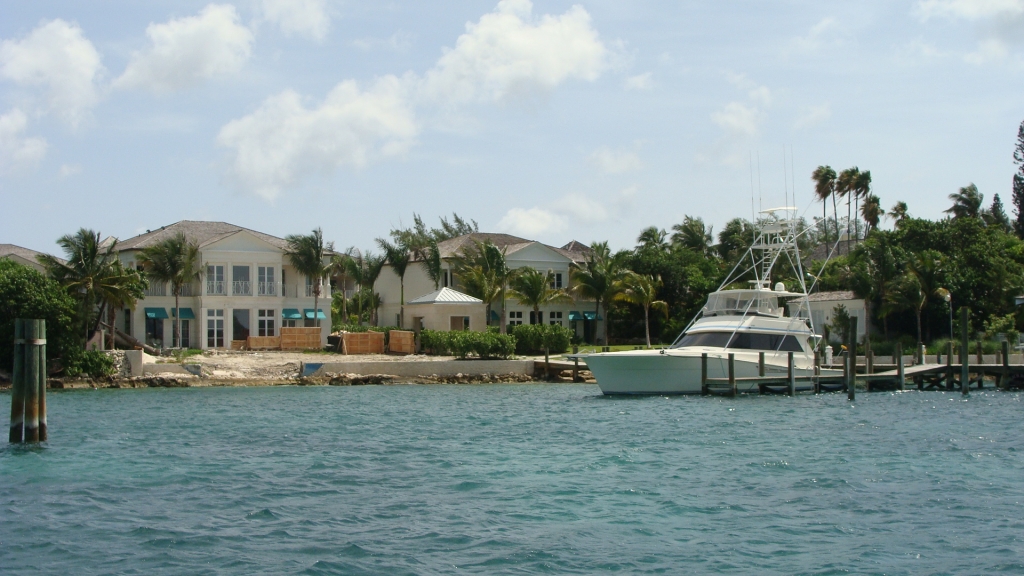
248, 288
519, 252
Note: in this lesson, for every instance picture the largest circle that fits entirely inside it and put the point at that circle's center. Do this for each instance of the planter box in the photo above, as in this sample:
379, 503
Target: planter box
362, 343
401, 342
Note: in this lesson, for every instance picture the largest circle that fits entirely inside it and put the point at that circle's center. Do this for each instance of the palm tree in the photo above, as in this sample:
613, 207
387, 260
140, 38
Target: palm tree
398, 256
966, 202
308, 254
432, 263
642, 290
872, 211
652, 238
899, 213
874, 267
534, 289
340, 267
176, 261
93, 275
482, 267
597, 279
693, 234
824, 187
847, 187
922, 280
481, 283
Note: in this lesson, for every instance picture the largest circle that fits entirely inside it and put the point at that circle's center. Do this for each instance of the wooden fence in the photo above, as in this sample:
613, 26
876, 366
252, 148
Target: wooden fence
362, 343
300, 338
402, 342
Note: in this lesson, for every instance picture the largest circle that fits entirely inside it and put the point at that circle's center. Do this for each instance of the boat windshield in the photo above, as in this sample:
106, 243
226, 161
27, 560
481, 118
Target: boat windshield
742, 302
742, 341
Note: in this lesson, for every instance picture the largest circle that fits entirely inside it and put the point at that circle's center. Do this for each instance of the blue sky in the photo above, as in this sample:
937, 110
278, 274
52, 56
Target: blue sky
551, 120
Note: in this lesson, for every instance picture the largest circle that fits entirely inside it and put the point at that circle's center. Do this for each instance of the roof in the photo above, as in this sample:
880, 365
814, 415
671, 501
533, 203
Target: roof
836, 296
446, 296
454, 247
197, 231
26, 253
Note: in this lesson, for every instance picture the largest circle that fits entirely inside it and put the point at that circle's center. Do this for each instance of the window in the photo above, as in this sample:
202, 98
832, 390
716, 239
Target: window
444, 277
128, 321
240, 282
555, 318
536, 317
515, 318
186, 333
155, 332
556, 281
214, 328
267, 286
266, 322
743, 341
459, 323
215, 280
239, 324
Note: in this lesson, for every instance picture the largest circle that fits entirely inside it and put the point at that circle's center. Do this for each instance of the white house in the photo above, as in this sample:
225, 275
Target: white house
519, 252
248, 288
823, 305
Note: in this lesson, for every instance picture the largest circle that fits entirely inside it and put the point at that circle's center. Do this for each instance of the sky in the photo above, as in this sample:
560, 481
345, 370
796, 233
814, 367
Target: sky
551, 120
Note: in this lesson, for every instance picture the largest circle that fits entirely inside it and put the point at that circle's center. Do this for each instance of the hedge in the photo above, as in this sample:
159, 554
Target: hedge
532, 338
485, 345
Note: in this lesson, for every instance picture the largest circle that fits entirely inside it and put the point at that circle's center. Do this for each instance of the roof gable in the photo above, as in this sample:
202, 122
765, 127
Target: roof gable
197, 231
445, 296
537, 252
239, 241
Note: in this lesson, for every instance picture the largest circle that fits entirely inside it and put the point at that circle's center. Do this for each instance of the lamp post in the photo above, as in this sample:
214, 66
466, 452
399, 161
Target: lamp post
949, 302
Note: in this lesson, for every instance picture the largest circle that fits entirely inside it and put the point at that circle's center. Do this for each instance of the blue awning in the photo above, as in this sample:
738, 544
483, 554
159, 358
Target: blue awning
156, 313
591, 315
186, 313
494, 316
575, 316
308, 313
291, 314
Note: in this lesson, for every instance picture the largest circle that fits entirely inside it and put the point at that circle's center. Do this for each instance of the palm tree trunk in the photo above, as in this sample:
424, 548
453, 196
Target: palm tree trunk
919, 327
824, 218
835, 214
606, 321
359, 321
316, 304
344, 300
501, 323
647, 325
401, 306
110, 323
177, 318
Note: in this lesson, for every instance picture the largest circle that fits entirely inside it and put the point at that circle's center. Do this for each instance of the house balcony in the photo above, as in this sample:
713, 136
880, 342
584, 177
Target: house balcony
216, 288
156, 289
269, 289
189, 290
241, 288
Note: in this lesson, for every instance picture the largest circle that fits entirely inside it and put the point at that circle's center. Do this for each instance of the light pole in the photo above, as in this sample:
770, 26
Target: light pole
949, 302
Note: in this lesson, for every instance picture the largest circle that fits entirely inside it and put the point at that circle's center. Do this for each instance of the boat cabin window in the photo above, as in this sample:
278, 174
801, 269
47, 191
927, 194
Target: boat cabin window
742, 302
743, 341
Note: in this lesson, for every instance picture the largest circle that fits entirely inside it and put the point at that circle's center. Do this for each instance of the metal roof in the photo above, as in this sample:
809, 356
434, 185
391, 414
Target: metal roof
446, 296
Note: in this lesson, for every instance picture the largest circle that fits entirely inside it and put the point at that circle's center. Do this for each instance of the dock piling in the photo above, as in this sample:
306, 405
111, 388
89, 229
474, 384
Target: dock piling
965, 369
792, 376
1004, 377
704, 373
851, 359
901, 378
576, 364
30, 381
732, 374
17, 433
760, 364
817, 371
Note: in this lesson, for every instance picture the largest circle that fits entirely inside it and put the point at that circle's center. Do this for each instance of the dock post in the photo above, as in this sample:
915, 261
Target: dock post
704, 373
1005, 373
979, 352
901, 378
949, 366
965, 368
760, 364
17, 433
732, 373
576, 364
851, 375
817, 370
40, 346
30, 381
870, 361
792, 376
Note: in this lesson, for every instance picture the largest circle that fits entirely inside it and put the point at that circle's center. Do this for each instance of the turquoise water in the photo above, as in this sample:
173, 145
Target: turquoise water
519, 479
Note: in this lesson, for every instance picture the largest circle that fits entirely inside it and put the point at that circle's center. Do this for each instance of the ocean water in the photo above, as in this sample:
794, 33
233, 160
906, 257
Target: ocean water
514, 479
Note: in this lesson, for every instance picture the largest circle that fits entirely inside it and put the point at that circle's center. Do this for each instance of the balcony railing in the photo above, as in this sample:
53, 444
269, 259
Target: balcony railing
241, 288
268, 289
325, 291
188, 290
216, 288
156, 289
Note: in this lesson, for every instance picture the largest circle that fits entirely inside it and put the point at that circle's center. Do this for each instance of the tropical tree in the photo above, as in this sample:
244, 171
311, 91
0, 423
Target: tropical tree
824, 178
374, 264
340, 267
642, 290
736, 236
432, 263
848, 186
693, 234
93, 275
484, 272
996, 215
872, 211
966, 202
597, 279
874, 266
398, 256
534, 289
922, 280
174, 261
652, 238
308, 254
1018, 183
899, 213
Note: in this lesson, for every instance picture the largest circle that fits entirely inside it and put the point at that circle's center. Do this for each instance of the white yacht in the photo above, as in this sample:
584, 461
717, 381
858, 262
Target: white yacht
740, 321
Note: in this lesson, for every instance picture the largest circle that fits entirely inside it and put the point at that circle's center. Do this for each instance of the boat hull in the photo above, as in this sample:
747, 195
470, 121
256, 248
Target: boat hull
679, 371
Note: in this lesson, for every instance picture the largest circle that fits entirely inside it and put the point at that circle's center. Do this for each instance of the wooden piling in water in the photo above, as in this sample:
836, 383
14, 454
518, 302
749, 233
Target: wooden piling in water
792, 376
851, 358
870, 361
1004, 377
979, 352
41, 351
965, 369
30, 381
816, 381
760, 364
17, 432
732, 374
901, 379
704, 373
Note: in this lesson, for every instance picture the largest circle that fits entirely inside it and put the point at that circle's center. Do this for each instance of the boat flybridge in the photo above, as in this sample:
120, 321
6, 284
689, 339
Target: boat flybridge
744, 321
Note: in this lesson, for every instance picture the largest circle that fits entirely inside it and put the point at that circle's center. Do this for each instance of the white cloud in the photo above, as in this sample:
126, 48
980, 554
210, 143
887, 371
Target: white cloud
813, 116
582, 208
969, 9
738, 118
532, 222
639, 82
58, 58
187, 51
826, 32
303, 17
284, 142
988, 50
67, 170
397, 42
615, 162
16, 151
506, 54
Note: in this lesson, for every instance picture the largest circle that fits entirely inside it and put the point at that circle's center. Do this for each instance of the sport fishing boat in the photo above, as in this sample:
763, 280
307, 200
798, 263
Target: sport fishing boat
744, 321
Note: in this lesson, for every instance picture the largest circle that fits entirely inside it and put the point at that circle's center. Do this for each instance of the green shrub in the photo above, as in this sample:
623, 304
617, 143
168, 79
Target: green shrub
534, 338
25, 293
461, 344
91, 363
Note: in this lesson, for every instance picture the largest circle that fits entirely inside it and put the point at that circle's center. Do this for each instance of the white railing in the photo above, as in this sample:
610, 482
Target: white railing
216, 288
188, 290
241, 288
325, 291
268, 289
156, 289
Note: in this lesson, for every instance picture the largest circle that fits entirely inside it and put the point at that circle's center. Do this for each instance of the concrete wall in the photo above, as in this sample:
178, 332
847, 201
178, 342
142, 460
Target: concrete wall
438, 316
428, 367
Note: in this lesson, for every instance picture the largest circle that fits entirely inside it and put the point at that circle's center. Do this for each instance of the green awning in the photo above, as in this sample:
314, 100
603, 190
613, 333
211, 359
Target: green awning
592, 315
186, 313
308, 313
156, 313
291, 314
575, 316
495, 316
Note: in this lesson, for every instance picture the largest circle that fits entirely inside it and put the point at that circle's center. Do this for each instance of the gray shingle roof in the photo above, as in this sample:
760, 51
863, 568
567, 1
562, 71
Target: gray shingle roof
196, 231
26, 253
836, 296
454, 247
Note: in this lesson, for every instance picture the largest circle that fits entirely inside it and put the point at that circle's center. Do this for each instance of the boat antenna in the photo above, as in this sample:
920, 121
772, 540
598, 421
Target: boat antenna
753, 213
